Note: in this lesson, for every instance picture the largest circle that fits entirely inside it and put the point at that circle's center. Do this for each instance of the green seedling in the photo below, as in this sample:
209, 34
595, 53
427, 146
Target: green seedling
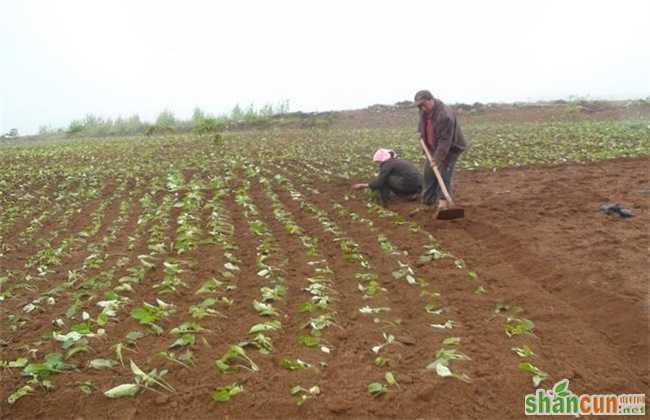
19, 393
224, 393
319, 323
303, 394
446, 326
261, 342
523, 351
292, 364
309, 341
538, 374
377, 389
515, 327
451, 341
265, 326
442, 361
405, 271
235, 353
142, 380
276, 293
204, 309
264, 309
368, 310
87, 387
388, 339
209, 286
102, 364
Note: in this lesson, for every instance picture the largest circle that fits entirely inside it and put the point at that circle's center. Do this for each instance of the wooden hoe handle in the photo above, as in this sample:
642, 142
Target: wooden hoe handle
443, 187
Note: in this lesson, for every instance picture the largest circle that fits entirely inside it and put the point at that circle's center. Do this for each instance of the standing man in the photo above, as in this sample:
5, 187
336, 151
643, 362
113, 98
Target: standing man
444, 139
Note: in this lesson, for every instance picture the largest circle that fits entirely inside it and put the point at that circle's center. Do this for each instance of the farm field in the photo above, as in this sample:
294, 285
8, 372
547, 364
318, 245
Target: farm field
182, 276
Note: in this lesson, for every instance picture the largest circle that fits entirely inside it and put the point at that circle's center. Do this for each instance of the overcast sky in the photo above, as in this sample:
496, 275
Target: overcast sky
60, 60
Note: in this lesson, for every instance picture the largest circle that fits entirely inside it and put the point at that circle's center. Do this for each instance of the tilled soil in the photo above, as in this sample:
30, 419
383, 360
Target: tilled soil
535, 238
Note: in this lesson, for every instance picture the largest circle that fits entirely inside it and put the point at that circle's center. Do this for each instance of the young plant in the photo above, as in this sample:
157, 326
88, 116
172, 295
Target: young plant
538, 374
224, 393
265, 326
377, 389
303, 394
444, 357
388, 339
291, 364
235, 353
142, 380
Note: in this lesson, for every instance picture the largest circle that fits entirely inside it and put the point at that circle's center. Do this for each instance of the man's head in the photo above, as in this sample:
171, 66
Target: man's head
424, 100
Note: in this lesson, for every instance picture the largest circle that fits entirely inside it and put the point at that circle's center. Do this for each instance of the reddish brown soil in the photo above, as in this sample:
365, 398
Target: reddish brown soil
535, 237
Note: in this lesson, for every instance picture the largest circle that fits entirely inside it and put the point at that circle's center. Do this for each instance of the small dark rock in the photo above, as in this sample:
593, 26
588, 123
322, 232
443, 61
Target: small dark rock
616, 209
406, 339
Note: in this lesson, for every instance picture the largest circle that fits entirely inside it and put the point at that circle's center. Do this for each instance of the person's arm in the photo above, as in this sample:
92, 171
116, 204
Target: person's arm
444, 140
381, 178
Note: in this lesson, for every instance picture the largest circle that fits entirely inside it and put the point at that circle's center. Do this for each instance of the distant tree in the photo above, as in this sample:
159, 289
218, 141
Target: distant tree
283, 107
92, 121
134, 125
166, 119
237, 114
208, 125
266, 111
13, 133
197, 115
75, 127
44, 130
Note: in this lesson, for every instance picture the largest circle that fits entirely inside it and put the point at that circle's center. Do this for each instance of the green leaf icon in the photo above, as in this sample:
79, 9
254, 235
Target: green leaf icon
561, 388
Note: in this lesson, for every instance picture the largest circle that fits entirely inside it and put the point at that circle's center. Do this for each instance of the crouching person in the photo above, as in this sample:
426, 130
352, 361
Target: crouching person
396, 176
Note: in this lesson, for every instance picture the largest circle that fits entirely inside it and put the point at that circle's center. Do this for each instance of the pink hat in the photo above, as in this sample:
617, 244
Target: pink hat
382, 155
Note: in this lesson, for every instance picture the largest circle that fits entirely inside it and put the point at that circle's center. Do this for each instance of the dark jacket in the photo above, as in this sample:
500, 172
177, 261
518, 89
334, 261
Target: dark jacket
446, 132
401, 176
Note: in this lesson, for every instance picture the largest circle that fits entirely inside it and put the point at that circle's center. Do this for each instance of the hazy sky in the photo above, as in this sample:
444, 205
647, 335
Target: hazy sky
60, 60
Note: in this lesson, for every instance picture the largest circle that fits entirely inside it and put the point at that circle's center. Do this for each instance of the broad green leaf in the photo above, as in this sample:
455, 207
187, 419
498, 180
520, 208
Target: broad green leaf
134, 336
538, 374
380, 361
390, 378
443, 370
446, 326
124, 390
224, 393
265, 326
376, 389
292, 365
515, 327
20, 362
144, 315
184, 340
451, 341
309, 341
19, 393
102, 364
523, 351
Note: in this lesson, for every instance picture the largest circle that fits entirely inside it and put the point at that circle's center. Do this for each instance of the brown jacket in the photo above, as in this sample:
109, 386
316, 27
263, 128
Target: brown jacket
448, 136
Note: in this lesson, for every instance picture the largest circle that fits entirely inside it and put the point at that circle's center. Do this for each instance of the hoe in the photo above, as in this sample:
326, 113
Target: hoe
453, 212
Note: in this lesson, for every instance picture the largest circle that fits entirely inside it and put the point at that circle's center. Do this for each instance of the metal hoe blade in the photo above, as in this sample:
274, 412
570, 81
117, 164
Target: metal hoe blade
450, 214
